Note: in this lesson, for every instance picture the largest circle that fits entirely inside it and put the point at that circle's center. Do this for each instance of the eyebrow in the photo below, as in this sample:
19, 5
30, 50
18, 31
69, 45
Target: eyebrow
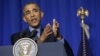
35, 9
32, 9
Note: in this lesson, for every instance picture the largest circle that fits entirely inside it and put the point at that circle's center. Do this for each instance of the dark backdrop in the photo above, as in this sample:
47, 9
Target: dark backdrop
63, 10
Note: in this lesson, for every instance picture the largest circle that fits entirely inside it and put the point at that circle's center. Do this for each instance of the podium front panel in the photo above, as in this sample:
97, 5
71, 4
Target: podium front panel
44, 49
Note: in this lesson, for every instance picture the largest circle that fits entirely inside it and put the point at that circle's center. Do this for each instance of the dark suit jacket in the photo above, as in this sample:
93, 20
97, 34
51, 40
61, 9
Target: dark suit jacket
26, 33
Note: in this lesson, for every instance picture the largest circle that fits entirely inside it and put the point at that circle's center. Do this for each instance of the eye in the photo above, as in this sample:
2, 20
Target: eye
27, 12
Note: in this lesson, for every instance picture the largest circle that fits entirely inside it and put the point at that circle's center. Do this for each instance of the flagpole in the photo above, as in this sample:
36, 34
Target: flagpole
82, 13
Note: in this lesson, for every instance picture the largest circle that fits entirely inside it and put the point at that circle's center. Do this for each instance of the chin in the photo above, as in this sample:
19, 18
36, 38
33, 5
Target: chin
35, 26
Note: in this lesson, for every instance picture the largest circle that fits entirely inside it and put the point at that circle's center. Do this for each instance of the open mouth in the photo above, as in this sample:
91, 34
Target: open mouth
34, 20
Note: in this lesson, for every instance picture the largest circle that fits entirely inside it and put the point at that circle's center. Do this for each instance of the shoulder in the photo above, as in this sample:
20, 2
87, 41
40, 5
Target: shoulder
20, 34
16, 36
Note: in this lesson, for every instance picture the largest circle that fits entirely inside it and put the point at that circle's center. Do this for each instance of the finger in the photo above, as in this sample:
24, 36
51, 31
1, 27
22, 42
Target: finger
49, 30
49, 33
48, 27
54, 20
57, 25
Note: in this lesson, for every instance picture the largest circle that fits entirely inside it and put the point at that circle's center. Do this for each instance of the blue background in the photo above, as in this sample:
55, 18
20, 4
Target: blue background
63, 10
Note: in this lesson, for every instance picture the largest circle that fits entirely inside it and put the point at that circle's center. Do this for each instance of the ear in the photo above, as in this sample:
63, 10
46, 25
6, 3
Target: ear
24, 19
42, 14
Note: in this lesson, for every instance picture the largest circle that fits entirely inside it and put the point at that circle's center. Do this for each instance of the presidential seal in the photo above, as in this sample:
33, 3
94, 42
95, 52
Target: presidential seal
25, 47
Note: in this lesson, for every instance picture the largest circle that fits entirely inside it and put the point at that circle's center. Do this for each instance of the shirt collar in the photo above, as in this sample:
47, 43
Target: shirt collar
31, 29
39, 30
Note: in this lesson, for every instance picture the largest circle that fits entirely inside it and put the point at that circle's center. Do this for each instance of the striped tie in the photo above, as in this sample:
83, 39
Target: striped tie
34, 35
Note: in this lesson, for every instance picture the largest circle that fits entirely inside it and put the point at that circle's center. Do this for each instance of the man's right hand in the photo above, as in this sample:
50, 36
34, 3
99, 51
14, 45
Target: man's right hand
47, 31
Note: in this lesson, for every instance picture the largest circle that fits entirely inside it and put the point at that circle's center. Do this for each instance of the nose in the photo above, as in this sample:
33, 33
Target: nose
32, 14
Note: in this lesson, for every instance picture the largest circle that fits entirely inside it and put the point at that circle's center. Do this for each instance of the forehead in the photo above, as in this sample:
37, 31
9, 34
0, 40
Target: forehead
31, 6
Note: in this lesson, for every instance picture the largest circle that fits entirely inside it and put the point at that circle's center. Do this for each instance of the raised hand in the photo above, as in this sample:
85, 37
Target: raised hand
55, 28
47, 31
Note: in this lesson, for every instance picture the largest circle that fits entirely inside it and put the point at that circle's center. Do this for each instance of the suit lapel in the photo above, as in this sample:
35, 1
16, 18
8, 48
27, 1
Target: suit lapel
27, 33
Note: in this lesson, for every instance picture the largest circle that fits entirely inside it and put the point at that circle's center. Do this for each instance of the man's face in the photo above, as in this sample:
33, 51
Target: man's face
32, 15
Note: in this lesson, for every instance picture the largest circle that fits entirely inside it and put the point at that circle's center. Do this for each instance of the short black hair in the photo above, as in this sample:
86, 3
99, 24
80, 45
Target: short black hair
29, 4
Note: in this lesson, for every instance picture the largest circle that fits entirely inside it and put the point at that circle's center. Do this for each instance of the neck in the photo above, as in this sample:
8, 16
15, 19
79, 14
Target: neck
33, 28
36, 27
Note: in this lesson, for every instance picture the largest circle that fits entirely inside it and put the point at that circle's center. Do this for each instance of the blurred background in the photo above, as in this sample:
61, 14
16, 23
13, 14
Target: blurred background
65, 13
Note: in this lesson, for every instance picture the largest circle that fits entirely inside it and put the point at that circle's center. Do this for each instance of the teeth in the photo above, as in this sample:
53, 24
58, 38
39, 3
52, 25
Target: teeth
33, 20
